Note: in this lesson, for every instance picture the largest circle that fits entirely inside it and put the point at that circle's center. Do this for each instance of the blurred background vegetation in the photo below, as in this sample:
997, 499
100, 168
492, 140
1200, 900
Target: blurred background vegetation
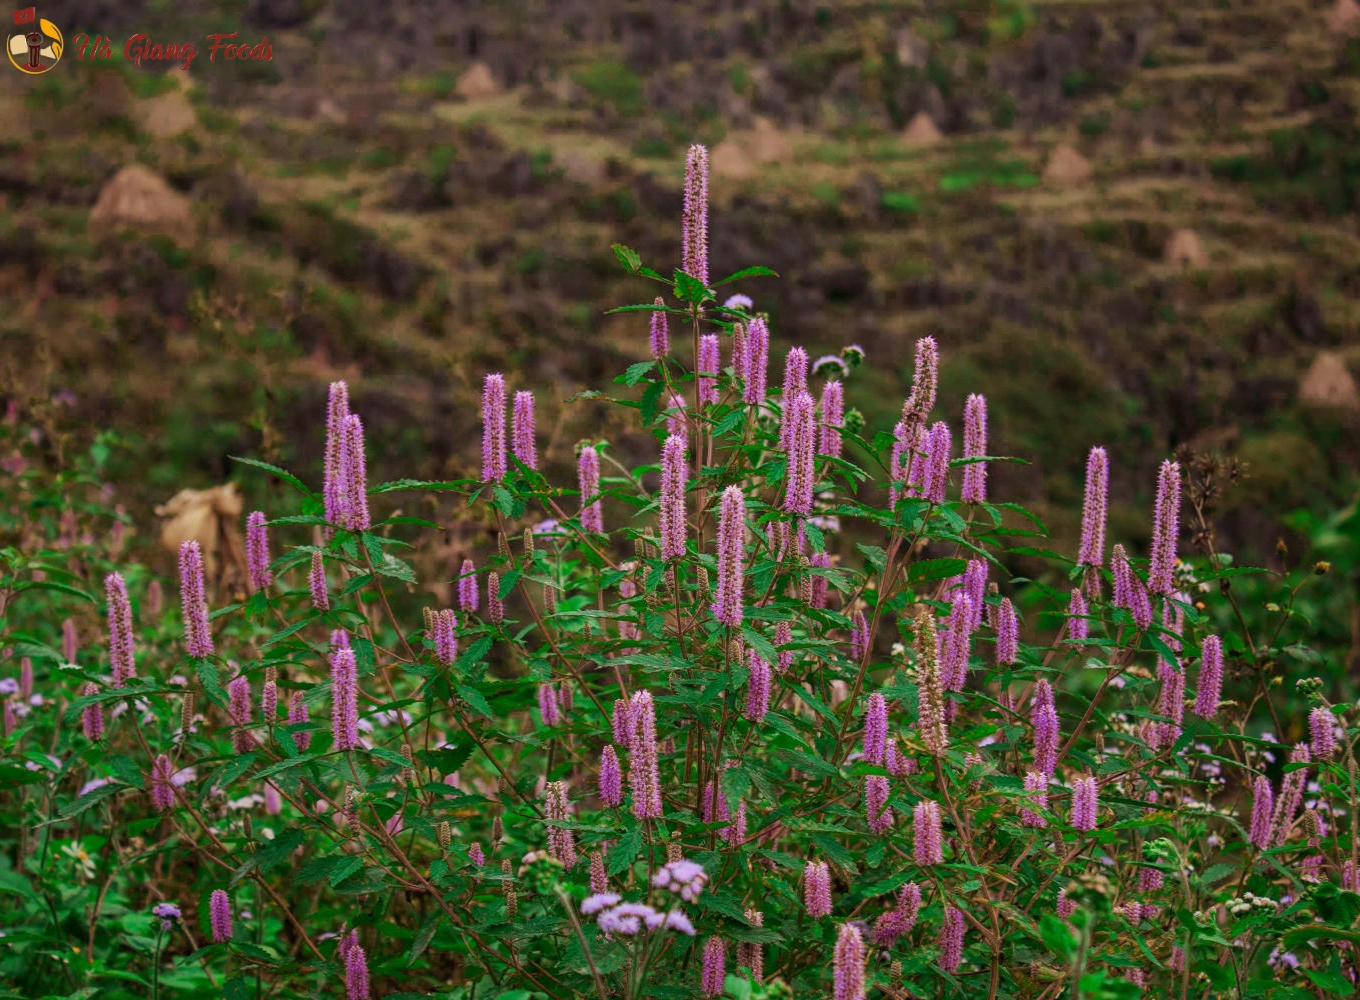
1127, 224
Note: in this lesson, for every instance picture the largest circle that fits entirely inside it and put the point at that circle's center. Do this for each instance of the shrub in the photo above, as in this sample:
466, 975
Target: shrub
726, 748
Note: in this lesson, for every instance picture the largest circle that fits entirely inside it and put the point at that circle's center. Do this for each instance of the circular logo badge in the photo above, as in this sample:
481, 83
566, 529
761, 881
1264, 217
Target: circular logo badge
35, 48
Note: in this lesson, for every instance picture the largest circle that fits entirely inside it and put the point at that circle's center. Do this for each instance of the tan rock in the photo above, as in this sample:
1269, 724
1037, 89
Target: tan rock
136, 198
1067, 167
326, 110
166, 115
1344, 18
477, 82
580, 166
207, 517
1328, 383
921, 132
729, 159
1184, 249
767, 144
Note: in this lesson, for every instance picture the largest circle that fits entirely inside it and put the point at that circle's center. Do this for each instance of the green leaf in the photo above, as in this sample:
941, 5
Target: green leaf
506, 502
423, 939
508, 583
759, 271
737, 987
475, 699
60, 588
936, 569
1215, 873
88, 800
689, 289
725, 903
283, 474
625, 852
763, 647
628, 257
636, 371
1057, 936
449, 485
343, 870
1332, 982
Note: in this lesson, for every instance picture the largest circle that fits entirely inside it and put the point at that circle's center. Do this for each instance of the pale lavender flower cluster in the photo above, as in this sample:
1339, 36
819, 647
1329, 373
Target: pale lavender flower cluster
673, 478
194, 600
522, 435
257, 551
684, 878
694, 220
928, 833
709, 365
121, 650
344, 698
588, 476
731, 531
493, 428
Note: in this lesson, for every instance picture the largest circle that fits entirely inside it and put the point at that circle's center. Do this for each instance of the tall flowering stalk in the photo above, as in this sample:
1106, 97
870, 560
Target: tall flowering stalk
467, 586
935, 463
316, 583
493, 428
1044, 715
344, 699
694, 221
561, 841
1322, 731
975, 446
92, 716
298, 715
877, 790
1078, 624
333, 493
522, 430
714, 971
611, 777
1262, 805
731, 529
238, 693
756, 361
757, 687
673, 478
644, 774
1210, 678
588, 478
194, 600
353, 465
795, 385
660, 335
121, 650
1091, 554
1007, 633
446, 636
548, 709
876, 730
930, 686
1036, 785
928, 833
832, 418
709, 365
257, 551
1085, 803
1165, 527
847, 964
817, 889
356, 974
219, 915
951, 940
161, 788
801, 443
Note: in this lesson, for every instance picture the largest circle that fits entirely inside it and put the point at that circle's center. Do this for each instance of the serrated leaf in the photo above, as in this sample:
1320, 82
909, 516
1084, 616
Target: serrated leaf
628, 257
283, 474
936, 569
758, 271
343, 870
625, 852
88, 800
635, 372
475, 699
423, 939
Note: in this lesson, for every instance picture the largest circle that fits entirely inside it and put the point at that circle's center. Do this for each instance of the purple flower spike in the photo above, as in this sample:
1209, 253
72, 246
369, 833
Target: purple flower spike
731, 529
975, 446
1036, 787
1262, 804
337, 409
951, 940
820, 584
355, 475
68, 640
661, 341
876, 730
1322, 730
832, 418
611, 777
446, 636
316, 580
522, 430
588, 475
194, 600
1078, 627
757, 688
344, 699
709, 365
1165, 528
847, 963
800, 476
877, 789
644, 774
795, 374
928, 832
548, 709
219, 915
935, 464
817, 889
121, 654
257, 551
1092, 550
1007, 633
1129, 591
623, 723
694, 220
1170, 704
1210, 678
673, 479
493, 428
467, 586
1044, 715
162, 791
756, 361
924, 383
956, 644
714, 971
1085, 803
238, 691
561, 841
298, 714
495, 607
356, 974
92, 716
